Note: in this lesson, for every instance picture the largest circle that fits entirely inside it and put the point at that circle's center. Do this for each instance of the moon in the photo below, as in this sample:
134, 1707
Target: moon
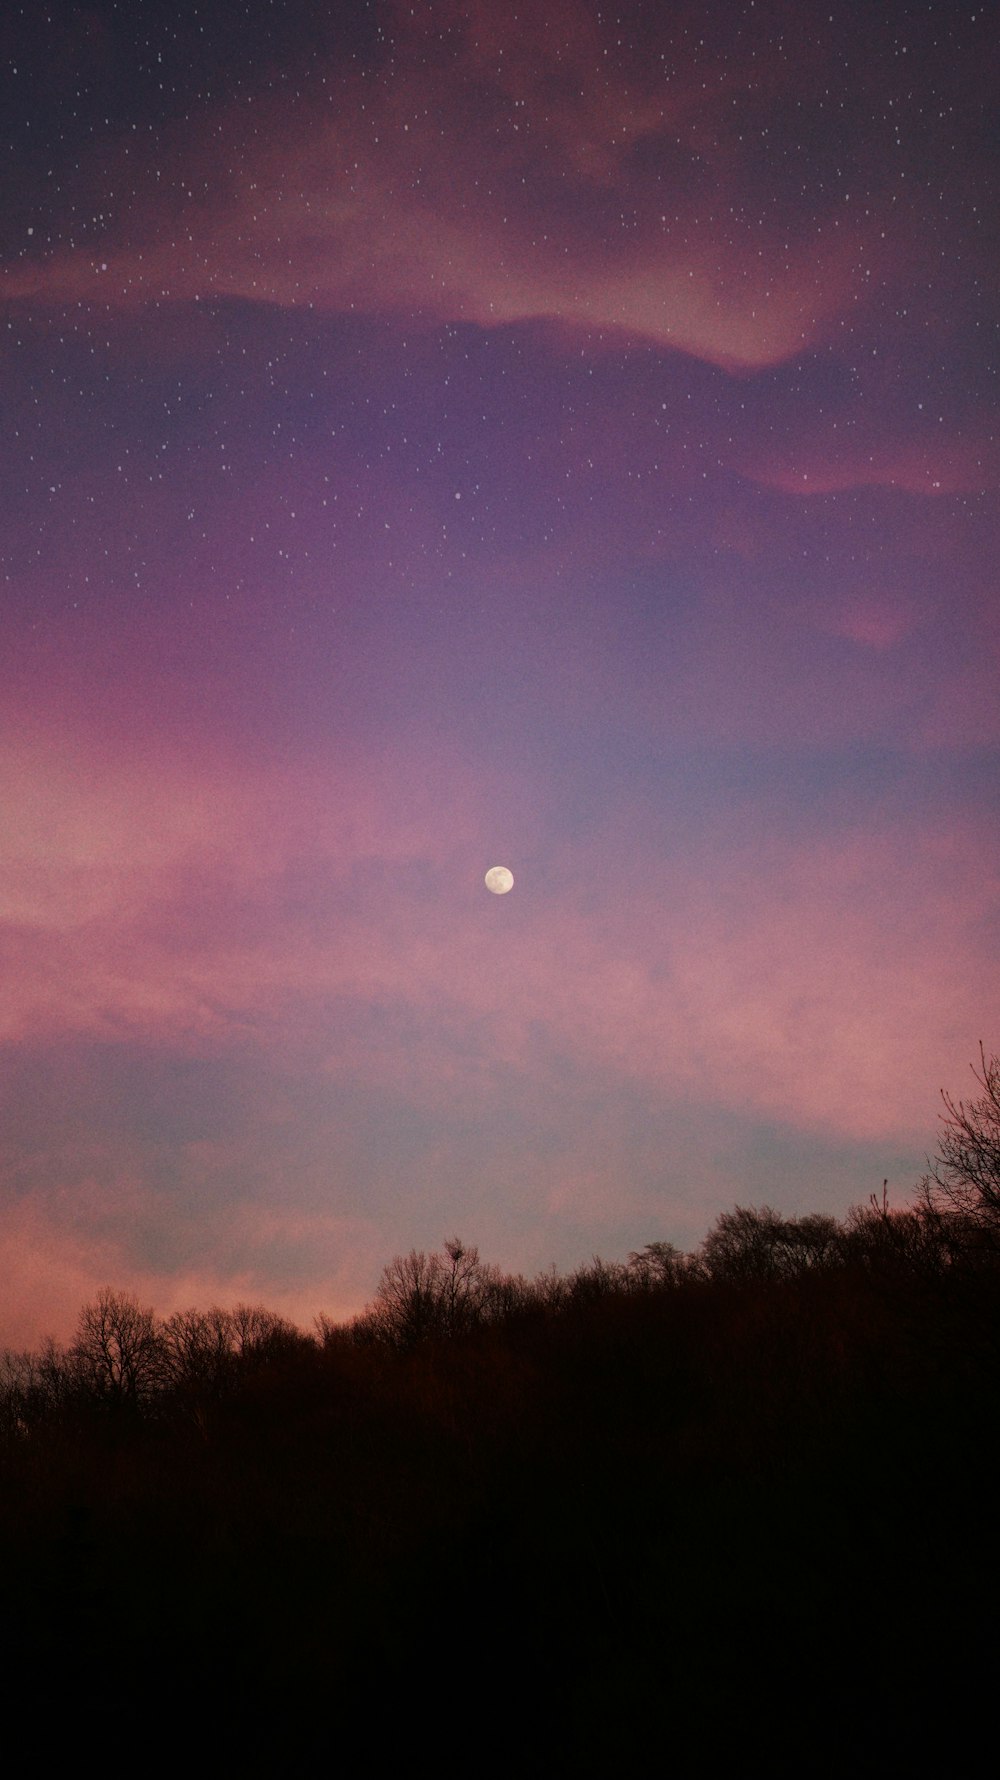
499, 880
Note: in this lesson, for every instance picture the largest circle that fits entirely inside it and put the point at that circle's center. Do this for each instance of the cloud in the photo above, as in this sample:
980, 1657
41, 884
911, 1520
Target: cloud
946, 466
490, 173
340, 921
53, 1263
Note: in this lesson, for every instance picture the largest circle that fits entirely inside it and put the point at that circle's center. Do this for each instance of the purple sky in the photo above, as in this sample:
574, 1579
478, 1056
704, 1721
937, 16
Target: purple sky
436, 437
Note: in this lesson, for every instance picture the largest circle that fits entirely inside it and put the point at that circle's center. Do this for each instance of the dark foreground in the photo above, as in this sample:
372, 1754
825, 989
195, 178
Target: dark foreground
645, 1518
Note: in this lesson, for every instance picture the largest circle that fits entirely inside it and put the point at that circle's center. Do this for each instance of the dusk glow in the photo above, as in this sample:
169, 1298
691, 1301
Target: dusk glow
442, 435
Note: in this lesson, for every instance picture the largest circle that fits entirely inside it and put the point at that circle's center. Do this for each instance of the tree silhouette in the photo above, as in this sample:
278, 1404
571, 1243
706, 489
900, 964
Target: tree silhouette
755, 1242
406, 1307
965, 1175
199, 1346
659, 1263
119, 1353
420, 1296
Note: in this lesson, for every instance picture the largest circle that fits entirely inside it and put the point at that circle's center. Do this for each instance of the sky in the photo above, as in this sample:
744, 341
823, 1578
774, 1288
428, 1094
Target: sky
446, 435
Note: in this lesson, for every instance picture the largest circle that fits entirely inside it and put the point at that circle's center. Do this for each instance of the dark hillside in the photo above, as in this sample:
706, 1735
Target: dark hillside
618, 1516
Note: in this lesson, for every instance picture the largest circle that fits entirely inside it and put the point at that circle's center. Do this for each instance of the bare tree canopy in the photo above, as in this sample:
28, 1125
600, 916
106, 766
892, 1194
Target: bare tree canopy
756, 1242
965, 1174
118, 1350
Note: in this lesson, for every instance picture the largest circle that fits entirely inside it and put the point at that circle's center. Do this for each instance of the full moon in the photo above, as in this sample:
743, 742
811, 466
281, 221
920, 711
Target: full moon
499, 880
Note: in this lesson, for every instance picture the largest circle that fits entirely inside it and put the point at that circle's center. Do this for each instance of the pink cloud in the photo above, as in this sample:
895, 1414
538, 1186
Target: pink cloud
52, 1266
947, 465
822, 983
358, 199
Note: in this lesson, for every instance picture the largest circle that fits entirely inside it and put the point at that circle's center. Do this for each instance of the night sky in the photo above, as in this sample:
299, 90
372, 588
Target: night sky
450, 435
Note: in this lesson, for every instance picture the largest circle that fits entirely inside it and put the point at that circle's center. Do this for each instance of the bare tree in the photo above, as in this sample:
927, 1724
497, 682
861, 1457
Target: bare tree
897, 1244
200, 1346
755, 1242
420, 1295
658, 1264
32, 1387
964, 1179
597, 1279
258, 1333
742, 1244
119, 1353
462, 1277
406, 1308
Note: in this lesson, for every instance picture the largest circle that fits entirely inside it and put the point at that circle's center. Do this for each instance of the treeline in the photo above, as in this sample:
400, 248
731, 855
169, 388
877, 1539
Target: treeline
676, 1508
126, 1360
